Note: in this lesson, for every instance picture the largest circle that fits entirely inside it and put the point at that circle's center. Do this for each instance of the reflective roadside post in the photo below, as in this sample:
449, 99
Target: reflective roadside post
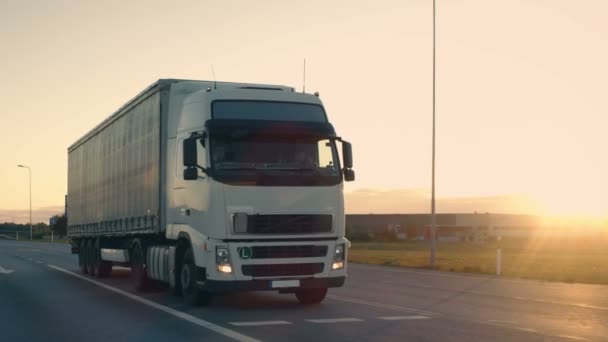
30, 174
499, 256
52, 222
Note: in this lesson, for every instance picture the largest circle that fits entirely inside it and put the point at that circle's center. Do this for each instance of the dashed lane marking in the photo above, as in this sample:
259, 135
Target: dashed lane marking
5, 271
496, 295
335, 320
574, 337
381, 305
195, 320
500, 321
258, 323
403, 318
468, 276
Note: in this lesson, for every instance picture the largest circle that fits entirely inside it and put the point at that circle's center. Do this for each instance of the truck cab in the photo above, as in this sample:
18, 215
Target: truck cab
255, 192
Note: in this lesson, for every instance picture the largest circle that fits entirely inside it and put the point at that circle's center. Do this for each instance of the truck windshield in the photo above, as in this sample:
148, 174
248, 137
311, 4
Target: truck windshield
302, 161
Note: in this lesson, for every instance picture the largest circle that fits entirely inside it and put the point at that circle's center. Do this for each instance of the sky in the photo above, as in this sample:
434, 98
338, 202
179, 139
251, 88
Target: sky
521, 104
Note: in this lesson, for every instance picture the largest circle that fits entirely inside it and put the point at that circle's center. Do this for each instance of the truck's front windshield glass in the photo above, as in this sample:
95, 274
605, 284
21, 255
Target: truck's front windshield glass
299, 159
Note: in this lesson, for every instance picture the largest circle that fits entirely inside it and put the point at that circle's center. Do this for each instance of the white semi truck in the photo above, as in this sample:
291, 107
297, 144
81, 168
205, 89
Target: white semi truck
213, 187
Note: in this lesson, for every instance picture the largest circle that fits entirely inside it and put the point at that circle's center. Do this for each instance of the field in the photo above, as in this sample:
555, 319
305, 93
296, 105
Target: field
571, 260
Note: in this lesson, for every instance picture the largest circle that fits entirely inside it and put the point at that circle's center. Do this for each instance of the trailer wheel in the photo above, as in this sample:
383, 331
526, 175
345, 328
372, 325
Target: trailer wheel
101, 268
82, 257
193, 294
311, 296
139, 279
90, 257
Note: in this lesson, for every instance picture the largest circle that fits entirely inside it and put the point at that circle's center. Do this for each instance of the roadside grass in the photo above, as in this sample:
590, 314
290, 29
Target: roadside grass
570, 260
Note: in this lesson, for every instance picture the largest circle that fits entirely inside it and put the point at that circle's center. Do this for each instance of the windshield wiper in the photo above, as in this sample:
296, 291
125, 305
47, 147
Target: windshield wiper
236, 166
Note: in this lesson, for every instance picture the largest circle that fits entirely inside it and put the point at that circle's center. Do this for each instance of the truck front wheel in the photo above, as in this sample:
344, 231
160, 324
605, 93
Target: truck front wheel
192, 292
311, 296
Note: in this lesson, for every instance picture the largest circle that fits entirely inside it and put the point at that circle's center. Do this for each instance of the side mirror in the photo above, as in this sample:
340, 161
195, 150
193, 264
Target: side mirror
349, 175
347, 154
190, 159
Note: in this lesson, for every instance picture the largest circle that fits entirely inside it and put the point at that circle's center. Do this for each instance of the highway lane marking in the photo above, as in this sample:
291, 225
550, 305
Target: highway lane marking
501, 321
5, 271
28, 250
195, 320
380, 305
472, 276
403, 318
335, 320
258, 323
574, 337
496, 295
526, 329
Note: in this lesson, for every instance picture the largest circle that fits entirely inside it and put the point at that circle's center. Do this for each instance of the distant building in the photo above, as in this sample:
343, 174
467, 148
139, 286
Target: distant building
451, 227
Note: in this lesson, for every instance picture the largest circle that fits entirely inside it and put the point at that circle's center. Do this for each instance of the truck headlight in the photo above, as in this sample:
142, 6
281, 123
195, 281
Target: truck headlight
222, 259
339, 257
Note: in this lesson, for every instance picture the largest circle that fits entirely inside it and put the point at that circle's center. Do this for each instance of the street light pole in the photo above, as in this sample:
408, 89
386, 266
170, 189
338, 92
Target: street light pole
433, 216
30, 174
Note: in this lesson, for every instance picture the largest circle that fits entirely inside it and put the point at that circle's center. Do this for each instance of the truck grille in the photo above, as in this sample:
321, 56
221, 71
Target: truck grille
270, 252
288, 224
276, 270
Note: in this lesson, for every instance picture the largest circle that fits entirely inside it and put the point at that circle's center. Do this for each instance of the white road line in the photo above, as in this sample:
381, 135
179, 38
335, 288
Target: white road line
574, 337
335, 320
469, 276
403, 318
500, 321
28, 250
380, 305
38, 262
527, 329
5, 271
526, 299
205, 324
258, 323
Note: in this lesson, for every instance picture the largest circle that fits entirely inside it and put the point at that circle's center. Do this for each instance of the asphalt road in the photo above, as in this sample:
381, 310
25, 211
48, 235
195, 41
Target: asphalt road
44, 298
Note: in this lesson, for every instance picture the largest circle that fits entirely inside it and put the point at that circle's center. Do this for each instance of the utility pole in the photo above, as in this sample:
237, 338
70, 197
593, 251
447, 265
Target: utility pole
30, 174
433, 216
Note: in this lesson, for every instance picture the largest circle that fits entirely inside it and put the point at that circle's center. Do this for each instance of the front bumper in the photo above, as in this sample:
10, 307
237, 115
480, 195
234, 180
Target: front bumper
220, 286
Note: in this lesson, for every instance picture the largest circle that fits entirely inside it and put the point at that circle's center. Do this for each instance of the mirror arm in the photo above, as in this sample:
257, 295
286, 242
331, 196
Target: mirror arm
204, 169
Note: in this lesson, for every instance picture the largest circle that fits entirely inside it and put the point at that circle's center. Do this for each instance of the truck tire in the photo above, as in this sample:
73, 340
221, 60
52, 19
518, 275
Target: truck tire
191, 291
311, 296
90, 257
101, 268
139, 278
82, 256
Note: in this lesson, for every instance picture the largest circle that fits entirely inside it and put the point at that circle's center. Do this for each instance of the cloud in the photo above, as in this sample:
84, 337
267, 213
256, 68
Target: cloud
41, 214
